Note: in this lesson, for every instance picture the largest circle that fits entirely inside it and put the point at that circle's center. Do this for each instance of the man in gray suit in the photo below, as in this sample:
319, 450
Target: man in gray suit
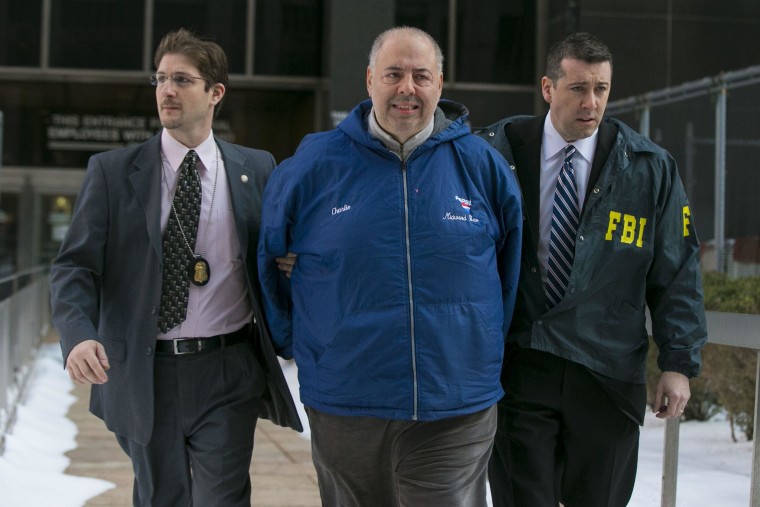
156, 298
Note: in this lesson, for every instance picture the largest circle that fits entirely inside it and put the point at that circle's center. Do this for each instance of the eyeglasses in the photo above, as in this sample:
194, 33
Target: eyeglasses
179, 80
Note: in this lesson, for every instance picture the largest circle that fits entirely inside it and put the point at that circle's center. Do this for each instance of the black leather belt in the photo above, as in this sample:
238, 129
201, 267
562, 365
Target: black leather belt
182, 346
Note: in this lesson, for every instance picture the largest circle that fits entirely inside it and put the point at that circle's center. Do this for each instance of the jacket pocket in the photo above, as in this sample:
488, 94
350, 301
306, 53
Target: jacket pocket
116, 350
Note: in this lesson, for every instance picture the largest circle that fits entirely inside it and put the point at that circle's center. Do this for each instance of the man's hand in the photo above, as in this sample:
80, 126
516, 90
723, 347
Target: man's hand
87, 363
286, 264
672, 395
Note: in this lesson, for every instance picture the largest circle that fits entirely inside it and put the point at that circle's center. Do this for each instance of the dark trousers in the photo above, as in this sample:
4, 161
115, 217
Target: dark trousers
560, 438
205, 417
370, 462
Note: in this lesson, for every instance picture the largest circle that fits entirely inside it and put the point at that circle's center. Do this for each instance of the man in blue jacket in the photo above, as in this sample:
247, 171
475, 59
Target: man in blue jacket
608, 232
407, 230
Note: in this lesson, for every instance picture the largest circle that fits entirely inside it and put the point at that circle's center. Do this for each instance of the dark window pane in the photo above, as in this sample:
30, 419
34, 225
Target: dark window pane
495, 41
222, 22
96, 34
288, 38
63, 124
429, 15
20, 22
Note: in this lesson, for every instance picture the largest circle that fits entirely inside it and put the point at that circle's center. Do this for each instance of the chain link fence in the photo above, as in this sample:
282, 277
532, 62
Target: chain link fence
710, 126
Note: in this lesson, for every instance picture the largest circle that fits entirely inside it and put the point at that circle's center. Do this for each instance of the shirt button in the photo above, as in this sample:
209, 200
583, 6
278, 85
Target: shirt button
580, 238
149, 351
153, 310
491, 134
597, 190
532, 270
540, 322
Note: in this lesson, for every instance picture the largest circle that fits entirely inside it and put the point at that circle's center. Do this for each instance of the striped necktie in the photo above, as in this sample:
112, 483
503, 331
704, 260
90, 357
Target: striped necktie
565, 219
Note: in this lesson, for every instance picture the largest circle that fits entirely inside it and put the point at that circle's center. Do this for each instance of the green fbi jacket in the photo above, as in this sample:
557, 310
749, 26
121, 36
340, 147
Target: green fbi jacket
636, 247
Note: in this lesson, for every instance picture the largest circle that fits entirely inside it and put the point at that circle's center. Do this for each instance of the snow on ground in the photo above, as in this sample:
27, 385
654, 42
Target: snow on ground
713, 471
31, 468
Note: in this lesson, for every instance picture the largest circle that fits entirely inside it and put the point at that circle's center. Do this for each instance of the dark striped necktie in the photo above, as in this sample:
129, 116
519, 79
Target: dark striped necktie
565, 219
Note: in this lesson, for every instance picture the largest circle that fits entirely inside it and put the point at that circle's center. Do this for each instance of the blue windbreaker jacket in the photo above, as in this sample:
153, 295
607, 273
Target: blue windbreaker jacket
406, 274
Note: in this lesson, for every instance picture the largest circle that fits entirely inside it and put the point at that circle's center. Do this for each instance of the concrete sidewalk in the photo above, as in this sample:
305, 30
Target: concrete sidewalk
281, 470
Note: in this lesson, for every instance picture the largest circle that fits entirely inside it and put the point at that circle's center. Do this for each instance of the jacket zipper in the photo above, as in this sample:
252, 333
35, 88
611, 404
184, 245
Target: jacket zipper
415, 387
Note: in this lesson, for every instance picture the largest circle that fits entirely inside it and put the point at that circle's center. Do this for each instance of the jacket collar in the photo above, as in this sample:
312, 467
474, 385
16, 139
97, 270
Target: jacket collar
452, 122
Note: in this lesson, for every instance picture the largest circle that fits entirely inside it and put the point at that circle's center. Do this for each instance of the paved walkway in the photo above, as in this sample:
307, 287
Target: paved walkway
281, 470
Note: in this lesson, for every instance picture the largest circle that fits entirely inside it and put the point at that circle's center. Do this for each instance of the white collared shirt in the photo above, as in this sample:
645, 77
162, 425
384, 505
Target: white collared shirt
552, 158
221, 306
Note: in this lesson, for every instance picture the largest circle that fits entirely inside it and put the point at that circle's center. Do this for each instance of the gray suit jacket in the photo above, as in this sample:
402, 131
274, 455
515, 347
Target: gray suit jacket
106, 280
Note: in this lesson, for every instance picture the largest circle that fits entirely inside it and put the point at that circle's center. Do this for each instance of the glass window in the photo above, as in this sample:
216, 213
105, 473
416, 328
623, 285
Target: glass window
63, 124
288, 37
429, 15
20, 22
496, 41
96, 34
223, 22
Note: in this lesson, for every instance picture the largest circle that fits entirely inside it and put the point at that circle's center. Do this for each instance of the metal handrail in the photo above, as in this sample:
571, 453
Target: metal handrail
24, 319
735, 330
700, 87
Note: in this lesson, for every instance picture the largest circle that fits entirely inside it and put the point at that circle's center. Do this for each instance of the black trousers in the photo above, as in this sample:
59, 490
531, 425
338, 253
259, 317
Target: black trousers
205, 417
560, 438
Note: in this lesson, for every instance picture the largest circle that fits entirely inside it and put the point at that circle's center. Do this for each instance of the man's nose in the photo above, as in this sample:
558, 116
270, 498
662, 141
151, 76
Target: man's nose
406, 86
590, 100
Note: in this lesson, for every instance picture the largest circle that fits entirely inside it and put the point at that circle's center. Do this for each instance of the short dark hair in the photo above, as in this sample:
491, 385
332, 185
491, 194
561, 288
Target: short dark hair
207, 55
577, 46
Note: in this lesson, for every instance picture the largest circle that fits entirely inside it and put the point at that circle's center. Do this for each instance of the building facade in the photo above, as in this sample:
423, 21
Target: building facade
74, 74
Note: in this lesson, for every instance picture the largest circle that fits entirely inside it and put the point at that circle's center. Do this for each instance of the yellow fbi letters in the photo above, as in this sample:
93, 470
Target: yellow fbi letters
631, 228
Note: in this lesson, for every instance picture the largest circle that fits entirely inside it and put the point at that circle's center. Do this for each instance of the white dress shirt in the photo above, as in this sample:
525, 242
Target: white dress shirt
221, 306
552, 158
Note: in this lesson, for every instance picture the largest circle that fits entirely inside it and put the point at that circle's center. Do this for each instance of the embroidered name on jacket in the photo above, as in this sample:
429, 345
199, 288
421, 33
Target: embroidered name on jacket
343, 208
465, 204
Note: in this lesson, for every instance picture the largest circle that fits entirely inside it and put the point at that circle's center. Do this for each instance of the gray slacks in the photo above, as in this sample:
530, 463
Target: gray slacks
368, 462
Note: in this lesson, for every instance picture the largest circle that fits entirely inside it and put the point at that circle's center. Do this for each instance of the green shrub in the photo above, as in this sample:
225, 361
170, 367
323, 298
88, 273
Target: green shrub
733, 370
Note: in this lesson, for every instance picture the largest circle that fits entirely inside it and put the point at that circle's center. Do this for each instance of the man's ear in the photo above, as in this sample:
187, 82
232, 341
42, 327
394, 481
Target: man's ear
217, 93
547, 85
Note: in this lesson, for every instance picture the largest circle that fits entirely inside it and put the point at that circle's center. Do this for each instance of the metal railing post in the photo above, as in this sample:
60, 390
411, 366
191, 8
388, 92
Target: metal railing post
5, 367
754, 497
670, 463
644, 121
720, 178
24, 316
